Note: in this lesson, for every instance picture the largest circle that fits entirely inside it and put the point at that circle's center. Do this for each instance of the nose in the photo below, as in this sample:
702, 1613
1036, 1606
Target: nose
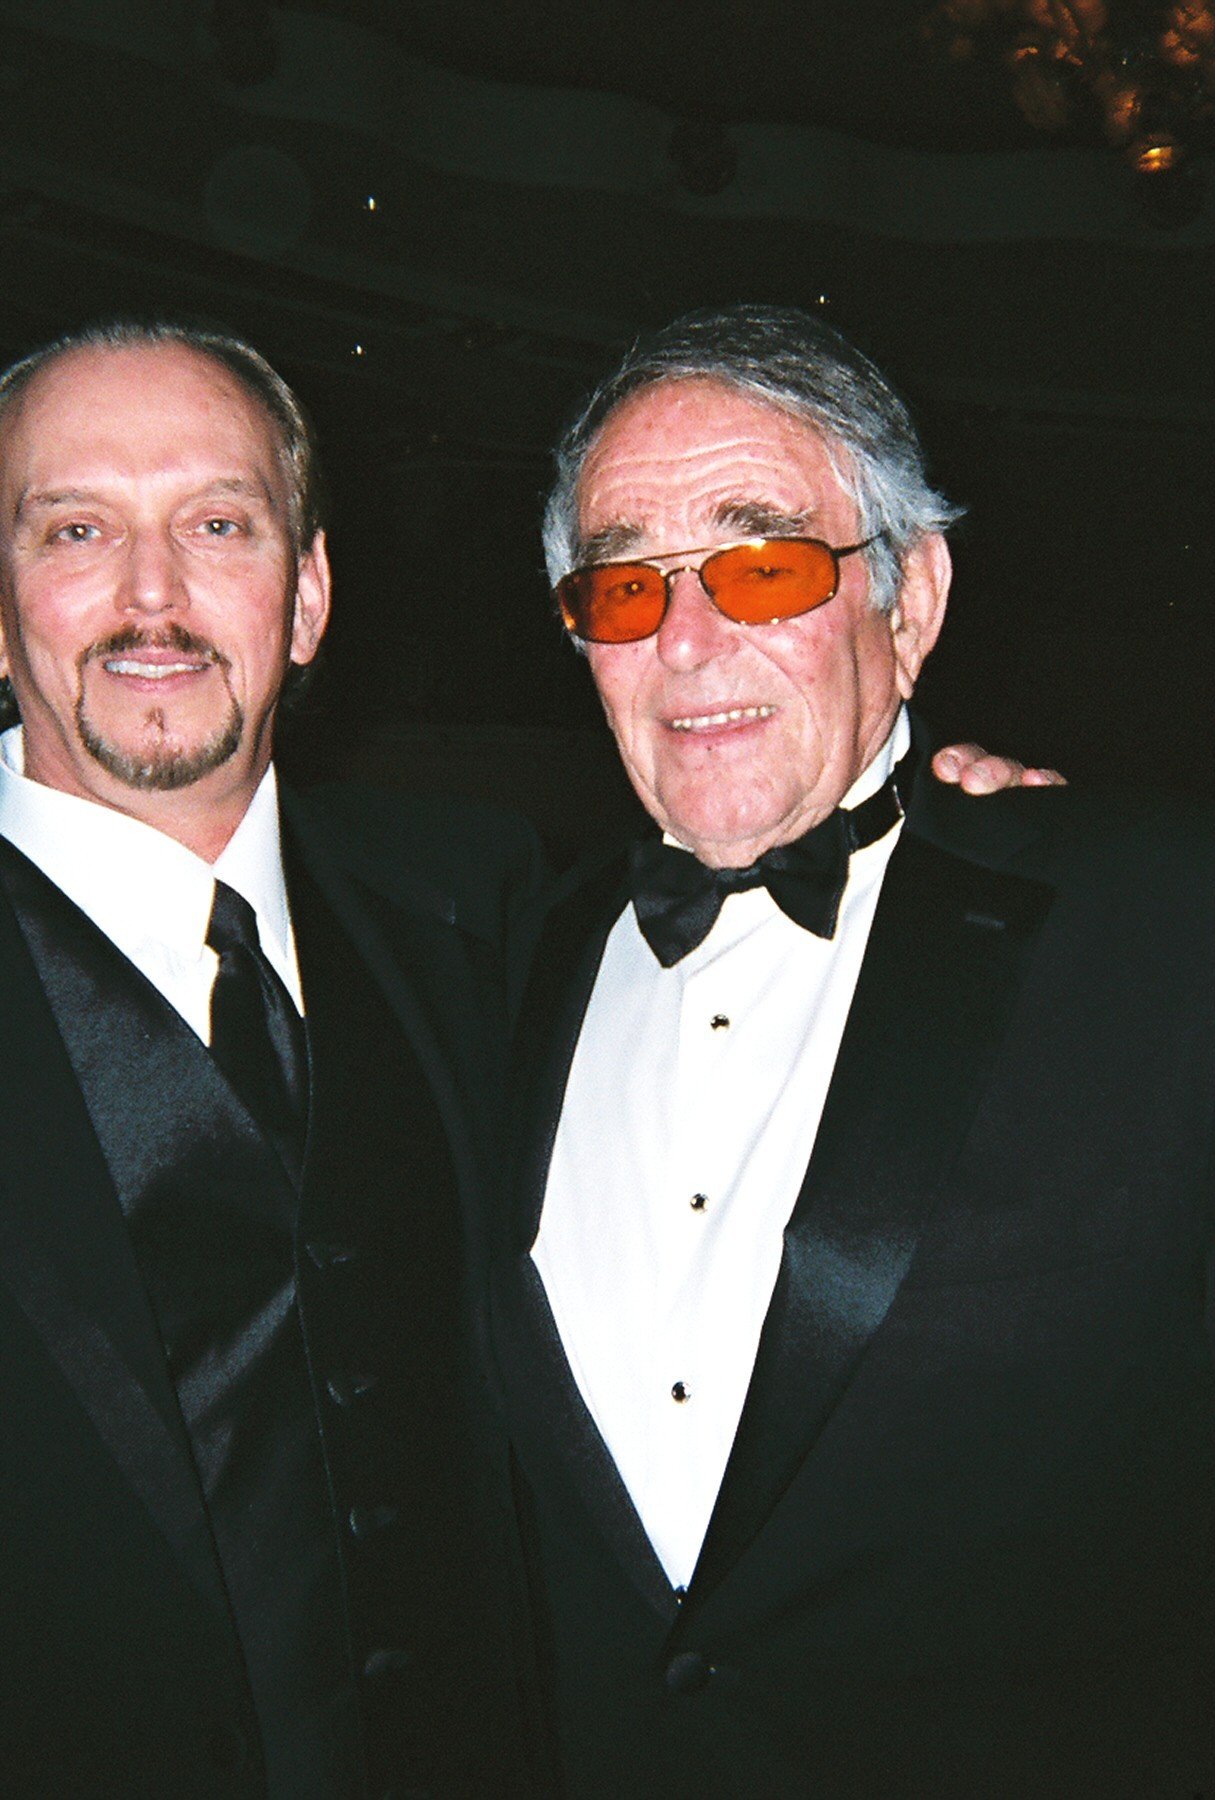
692, 632
152, 581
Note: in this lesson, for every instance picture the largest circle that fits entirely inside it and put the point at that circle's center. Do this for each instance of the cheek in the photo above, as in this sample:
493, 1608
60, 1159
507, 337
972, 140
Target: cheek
834, 670
50, 635
254, 626
619, 687
808, 674
54, 623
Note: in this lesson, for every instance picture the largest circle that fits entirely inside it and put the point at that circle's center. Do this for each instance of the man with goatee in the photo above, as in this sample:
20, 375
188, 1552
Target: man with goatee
251, 1506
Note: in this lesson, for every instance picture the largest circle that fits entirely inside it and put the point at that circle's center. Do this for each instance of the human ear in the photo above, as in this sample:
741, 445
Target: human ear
312, 593
920, 609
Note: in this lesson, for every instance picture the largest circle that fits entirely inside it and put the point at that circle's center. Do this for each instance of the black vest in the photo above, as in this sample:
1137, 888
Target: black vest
293, 1425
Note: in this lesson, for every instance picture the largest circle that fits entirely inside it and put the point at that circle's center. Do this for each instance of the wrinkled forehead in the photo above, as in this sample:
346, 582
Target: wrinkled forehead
696, 454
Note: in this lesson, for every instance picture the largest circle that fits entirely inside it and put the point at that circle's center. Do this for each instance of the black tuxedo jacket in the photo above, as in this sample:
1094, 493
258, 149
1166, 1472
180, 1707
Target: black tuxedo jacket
120, 1674
963, 1546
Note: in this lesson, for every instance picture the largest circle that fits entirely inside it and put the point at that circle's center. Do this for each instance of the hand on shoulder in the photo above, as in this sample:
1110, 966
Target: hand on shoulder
977, 771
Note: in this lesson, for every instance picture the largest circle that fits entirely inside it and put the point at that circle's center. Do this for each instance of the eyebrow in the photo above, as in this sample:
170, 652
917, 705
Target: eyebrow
750, 518
41, 500
606, 545
34, 500
755, 518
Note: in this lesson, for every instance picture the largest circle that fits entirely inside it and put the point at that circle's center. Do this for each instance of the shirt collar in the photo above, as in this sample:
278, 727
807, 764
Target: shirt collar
884, 763
252, 862
133, 881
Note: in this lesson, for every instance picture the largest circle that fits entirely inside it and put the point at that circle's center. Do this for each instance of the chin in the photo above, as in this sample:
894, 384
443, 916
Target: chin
721, 828
717, 848
164, 765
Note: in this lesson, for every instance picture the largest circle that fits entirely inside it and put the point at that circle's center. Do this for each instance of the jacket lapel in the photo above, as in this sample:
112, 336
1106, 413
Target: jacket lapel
67, 1260
936, 988
556, 1439
563, 973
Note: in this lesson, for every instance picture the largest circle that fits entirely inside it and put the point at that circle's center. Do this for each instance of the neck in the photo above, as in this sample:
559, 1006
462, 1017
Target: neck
202, 817
198, 824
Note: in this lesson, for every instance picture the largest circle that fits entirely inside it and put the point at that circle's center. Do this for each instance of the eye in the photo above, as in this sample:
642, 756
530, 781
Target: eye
220, 528
74, 532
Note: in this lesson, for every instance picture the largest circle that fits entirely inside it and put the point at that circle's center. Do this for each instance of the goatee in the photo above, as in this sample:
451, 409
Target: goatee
165, 766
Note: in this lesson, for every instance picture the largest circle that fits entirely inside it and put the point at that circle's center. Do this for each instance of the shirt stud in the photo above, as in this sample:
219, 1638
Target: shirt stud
680, 1393
698, 1202
719, 1022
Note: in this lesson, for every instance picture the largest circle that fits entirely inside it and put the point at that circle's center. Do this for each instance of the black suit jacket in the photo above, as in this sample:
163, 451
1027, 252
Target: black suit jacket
119, 1671
964, 1542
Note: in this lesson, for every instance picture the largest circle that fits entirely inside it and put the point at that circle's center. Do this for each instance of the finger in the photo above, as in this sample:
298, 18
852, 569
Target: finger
951, 763
988, 774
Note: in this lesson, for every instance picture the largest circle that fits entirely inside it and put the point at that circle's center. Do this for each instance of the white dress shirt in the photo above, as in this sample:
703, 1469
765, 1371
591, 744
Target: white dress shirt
149, 894
693, 1102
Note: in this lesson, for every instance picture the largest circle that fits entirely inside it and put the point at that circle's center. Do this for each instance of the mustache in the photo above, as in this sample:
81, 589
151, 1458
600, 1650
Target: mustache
166, 637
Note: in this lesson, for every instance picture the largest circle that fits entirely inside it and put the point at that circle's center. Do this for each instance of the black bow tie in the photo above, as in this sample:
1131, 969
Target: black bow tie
677, 899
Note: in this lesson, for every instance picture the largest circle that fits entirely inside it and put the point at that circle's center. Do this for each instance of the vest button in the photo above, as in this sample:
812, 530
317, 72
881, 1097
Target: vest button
344, 1389
328, 1253
689, 1672
387, 1662
365, 1521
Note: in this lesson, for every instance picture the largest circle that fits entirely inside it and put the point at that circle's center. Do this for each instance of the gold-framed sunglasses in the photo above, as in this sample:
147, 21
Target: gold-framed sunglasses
758, 582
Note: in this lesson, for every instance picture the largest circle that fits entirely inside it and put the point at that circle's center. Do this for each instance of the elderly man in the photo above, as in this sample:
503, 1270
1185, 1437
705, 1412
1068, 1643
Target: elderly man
252, 1535
852, 1325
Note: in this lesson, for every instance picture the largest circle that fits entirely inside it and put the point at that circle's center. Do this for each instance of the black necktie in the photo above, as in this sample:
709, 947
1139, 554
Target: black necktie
677, 899
257, 1035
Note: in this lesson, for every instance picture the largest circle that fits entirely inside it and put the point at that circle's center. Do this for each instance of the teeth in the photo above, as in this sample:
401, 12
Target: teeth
151, 671
707, 721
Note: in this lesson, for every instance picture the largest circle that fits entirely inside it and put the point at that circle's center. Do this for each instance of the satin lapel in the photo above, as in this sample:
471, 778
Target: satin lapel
66, 1257
563, 972
555, 1437
931, 1007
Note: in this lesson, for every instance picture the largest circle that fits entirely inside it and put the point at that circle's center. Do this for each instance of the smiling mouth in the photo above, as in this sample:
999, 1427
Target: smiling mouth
737, 715
152, 671
169, 654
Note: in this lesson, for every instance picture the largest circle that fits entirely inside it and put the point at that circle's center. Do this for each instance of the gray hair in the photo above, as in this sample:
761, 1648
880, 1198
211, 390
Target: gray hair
793, 360
295, 438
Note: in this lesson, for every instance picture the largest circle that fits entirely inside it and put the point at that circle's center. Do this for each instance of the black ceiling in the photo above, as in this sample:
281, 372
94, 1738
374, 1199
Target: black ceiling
867, 68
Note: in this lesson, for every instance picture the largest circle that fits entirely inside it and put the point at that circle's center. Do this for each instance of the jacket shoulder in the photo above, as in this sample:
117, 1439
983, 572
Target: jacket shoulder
1133, 866
470, 864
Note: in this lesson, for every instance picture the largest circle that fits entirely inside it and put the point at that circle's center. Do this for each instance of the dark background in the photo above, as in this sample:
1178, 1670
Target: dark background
547, 179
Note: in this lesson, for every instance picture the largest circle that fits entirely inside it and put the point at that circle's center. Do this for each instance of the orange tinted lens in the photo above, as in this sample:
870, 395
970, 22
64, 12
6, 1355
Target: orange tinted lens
756, 584
613, 604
